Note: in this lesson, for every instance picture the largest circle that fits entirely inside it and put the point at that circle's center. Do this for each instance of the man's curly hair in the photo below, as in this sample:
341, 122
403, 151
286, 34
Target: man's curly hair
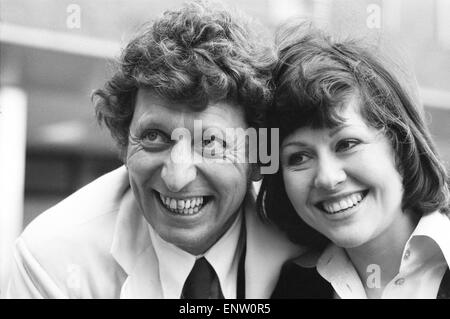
199, 54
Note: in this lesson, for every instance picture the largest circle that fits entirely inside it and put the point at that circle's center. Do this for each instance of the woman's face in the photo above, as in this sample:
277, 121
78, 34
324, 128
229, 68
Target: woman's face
343, 182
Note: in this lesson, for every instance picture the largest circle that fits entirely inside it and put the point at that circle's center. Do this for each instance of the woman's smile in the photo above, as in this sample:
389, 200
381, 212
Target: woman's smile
342, 206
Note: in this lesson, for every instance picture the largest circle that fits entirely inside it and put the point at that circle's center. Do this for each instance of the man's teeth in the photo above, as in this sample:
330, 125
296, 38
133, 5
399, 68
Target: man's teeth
182, 206
336, 206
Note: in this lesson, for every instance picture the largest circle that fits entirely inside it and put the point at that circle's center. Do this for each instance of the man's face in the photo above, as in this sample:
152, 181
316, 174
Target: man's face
188, 196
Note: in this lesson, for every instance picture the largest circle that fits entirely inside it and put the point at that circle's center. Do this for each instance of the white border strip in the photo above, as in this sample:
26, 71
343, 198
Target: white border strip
58, 41
435, 98
13, 123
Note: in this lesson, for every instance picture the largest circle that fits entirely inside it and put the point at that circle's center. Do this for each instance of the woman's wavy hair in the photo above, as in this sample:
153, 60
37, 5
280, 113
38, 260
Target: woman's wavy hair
314, 76
200, 54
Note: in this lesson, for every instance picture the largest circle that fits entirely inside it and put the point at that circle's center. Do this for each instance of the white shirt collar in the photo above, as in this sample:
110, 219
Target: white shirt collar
434, 226
335, 266
175, 264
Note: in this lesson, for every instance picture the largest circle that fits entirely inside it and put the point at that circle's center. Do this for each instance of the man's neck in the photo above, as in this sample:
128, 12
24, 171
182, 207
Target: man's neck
175, 263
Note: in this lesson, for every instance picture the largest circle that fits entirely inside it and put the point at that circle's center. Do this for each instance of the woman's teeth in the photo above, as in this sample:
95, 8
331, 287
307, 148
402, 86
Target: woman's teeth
337, 206
182, 206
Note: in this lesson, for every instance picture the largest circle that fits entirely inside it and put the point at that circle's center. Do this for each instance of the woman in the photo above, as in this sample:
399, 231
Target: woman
360, 184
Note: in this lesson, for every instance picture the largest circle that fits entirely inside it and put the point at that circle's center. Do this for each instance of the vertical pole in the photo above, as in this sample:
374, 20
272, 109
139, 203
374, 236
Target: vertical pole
442, 9
13, 111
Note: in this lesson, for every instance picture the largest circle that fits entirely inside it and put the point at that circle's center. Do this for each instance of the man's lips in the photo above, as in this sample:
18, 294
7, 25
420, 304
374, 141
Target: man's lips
189, 205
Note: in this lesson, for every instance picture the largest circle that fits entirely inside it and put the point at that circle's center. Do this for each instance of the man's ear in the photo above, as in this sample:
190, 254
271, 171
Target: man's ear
255, 173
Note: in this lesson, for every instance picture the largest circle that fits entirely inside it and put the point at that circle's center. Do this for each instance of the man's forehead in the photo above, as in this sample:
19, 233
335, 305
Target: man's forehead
152, 109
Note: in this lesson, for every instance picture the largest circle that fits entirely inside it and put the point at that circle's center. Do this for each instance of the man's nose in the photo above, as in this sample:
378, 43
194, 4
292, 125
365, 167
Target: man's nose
330, 173
179, 169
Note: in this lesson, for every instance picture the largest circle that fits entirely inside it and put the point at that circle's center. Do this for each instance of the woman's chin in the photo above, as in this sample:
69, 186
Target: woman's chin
349, 242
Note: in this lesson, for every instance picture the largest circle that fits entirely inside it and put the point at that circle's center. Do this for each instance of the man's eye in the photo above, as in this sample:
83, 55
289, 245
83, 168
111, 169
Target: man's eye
154, 137
213, 142
213, 146
298, 159
345, 145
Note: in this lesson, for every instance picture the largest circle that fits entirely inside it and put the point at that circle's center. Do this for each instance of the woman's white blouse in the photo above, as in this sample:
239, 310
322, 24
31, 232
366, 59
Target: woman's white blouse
425, 259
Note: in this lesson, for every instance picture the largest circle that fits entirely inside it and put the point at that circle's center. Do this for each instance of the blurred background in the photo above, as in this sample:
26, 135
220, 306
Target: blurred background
53, 53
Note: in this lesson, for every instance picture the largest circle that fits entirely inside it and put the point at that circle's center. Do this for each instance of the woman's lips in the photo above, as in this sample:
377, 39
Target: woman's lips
341, 204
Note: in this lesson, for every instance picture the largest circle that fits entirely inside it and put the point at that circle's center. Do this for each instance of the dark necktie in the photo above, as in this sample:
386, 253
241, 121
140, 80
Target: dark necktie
202, 282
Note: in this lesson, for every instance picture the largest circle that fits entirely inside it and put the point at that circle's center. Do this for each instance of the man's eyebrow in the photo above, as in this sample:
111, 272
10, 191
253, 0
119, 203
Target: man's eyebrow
213, 127
145, 122
226, 132
152, 119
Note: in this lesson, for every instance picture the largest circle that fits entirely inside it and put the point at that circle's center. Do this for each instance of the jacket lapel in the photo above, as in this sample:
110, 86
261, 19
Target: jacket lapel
444, 288
133, 251
267, 250
143, 281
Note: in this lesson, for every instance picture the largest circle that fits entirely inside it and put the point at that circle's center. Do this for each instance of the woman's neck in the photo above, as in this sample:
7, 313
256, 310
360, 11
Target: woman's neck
378, 261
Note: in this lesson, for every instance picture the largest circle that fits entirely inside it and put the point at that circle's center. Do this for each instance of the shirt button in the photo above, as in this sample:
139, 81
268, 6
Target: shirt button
400, 281
407, 254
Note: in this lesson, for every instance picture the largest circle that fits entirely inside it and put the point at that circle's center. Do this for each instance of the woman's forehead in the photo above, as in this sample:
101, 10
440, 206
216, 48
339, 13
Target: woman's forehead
351, 116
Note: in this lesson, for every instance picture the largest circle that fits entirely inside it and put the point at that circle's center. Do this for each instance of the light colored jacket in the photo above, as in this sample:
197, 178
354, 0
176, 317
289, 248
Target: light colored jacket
96, 244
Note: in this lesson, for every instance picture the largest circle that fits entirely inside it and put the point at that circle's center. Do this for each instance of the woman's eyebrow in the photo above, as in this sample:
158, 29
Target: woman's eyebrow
295, 143
332, 132
336, 130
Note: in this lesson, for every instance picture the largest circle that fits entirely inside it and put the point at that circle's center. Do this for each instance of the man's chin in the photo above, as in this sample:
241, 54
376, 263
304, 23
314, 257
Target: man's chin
190, 243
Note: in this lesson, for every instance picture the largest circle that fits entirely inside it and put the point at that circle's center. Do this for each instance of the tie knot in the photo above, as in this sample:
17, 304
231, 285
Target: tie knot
202, 282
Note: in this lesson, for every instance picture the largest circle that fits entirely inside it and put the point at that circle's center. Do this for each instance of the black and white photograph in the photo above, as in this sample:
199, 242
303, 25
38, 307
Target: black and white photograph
224, 149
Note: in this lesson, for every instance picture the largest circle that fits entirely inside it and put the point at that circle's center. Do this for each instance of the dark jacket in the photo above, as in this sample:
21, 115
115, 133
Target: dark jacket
301, 282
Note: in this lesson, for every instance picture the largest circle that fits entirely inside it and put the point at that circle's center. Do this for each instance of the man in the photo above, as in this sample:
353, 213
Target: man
178, 219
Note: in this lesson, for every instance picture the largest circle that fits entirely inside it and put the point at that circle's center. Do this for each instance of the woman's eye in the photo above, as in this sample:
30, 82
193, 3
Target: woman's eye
346, 145
298, 159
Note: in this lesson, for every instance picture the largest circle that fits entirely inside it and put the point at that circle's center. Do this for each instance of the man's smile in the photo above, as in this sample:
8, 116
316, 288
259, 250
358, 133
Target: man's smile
183, 206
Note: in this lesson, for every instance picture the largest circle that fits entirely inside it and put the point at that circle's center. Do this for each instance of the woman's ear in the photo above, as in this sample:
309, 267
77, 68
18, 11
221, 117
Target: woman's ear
255, 173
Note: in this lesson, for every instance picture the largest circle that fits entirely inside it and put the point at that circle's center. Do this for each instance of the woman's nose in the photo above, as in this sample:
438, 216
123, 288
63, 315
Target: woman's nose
330, 174
179, 169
